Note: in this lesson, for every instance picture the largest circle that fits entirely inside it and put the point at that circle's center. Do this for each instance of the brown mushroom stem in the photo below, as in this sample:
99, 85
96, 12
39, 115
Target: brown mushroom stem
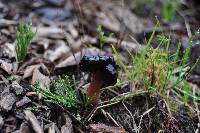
93, 92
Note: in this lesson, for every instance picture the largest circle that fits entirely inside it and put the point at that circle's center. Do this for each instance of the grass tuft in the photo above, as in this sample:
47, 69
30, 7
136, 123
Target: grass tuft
157, 71
66, 93
24, 35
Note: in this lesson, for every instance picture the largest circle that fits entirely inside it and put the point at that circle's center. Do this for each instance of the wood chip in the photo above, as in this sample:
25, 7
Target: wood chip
1, 122
30, 117
29, 70
71, 60
17, 88
51, 32
8, 101
4, 22
6, 66
23, 101
52, 129
67, 128
7, 50
60, 49
24, 128
102, 128
39, 77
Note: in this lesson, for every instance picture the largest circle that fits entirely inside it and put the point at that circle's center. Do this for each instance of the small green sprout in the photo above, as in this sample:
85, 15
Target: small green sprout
24, 35
101, 36
169, 9
65, 93
140, 4
11, 78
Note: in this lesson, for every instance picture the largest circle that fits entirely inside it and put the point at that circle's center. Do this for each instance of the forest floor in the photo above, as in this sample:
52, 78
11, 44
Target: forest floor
153, 93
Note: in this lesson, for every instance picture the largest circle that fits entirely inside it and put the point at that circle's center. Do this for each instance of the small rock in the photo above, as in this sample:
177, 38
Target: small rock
23, 101
8, 101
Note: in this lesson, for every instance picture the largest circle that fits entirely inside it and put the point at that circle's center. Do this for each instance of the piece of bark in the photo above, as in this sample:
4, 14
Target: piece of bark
30, 117
50, 32
52, 129
30, 70
71, 60
1, 122
60, 50
40, 78
4, 22
37, 75
17, 88
24, 128
8, 101
6, 66
102, 128
67, 127
7, 50
23, 101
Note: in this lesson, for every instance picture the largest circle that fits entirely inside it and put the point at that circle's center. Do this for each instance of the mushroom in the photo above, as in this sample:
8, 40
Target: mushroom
104, 73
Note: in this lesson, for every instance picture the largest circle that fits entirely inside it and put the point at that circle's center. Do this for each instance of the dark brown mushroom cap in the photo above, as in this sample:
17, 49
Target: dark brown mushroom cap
105, 64
91, 63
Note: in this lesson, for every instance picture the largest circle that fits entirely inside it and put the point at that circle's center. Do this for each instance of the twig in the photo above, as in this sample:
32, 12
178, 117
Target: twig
186, 24
125, 96
146, 112
196, 105
89, 117
134, 123
109, 115
168, 109
113, 101
114, 86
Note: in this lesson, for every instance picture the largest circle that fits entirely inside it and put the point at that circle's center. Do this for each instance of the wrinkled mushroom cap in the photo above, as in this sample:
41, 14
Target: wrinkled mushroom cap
104, 64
